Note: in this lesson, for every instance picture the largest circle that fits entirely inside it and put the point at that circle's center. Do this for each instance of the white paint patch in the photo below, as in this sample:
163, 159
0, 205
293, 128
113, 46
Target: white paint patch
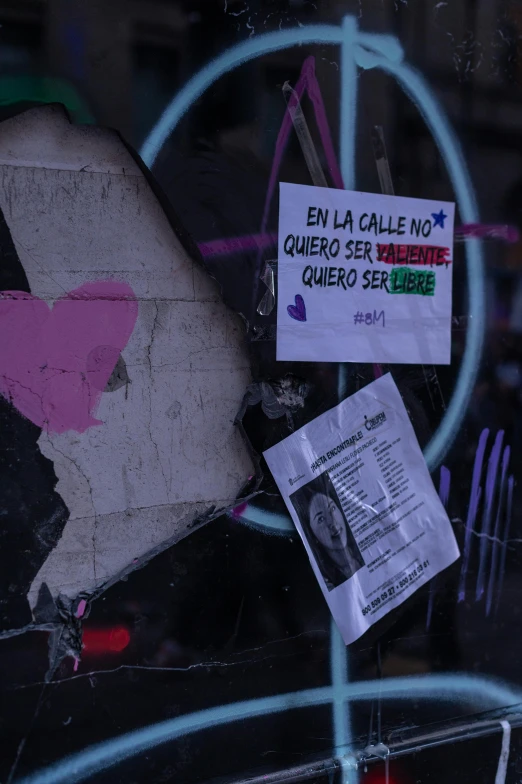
500, 778
79, 210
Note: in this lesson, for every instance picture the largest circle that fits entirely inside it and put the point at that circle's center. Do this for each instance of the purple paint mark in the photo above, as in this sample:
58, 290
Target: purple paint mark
297, 311
321, 118
496, 531
505, 537
491, 480
238, 511
82, 604
487, 231
231, 245
474, 500
444, 491
307, 81
56, 363
76, 663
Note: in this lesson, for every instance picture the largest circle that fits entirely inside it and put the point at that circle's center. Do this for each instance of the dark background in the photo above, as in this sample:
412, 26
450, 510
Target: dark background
233, 612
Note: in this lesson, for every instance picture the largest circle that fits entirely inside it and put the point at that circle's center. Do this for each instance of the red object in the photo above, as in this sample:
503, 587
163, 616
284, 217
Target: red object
113, 639
416, 255
376, 774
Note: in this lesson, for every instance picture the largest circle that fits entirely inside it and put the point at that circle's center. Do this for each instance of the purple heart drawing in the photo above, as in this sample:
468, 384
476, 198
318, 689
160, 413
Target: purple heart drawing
297, 311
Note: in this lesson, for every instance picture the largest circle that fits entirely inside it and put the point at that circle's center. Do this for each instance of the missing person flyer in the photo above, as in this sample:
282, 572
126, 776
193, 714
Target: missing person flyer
360, 494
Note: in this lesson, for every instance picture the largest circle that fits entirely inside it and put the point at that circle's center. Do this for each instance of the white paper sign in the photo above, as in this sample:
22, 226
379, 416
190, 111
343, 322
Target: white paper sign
359, 492
363, 277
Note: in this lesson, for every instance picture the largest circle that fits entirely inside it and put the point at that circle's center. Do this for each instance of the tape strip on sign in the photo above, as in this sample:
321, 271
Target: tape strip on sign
360, 494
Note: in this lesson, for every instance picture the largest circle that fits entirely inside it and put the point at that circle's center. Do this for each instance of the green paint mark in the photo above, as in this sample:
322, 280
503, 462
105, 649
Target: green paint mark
44, 90
404, 280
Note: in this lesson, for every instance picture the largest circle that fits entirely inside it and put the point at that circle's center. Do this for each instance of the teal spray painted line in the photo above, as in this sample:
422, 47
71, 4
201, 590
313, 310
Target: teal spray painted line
348, 107
230, 59
365, 51
341, 722
482, 694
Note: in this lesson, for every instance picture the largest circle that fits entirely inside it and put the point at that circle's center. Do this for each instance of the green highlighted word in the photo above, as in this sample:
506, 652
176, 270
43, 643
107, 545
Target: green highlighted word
404, 280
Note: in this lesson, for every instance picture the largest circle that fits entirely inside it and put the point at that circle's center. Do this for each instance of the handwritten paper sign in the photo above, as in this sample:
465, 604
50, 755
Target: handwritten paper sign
363, 277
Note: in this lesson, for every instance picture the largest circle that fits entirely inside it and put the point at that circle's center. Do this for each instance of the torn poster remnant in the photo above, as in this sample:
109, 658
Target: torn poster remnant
80, 210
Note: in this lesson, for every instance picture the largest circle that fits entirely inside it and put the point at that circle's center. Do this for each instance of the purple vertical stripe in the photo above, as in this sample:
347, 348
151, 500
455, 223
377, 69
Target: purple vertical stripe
491, 482
505, 538
495, 547
282, 139
321, 118
444, 491
474, 499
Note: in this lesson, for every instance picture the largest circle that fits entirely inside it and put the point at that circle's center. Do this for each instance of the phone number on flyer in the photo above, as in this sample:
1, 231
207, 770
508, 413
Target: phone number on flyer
393, 591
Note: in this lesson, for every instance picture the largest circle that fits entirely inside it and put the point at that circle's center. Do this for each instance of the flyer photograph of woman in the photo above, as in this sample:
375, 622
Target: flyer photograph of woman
326, 530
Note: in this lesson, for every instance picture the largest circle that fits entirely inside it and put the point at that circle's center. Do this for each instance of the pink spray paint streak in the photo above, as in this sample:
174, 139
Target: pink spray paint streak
308, 83
228, 246
80, 611
82, 606
55, 364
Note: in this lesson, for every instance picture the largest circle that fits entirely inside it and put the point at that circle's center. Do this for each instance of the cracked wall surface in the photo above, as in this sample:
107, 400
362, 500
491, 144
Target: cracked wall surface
79, 209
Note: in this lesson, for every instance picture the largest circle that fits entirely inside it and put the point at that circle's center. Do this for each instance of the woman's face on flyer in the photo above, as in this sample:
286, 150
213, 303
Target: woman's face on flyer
327, 522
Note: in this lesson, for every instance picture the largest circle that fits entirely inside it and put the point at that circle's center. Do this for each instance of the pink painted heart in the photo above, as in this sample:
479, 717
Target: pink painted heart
297, 311
54, 364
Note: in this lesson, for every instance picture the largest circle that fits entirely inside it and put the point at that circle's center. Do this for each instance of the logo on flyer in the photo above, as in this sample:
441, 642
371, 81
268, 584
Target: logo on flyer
374, 422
